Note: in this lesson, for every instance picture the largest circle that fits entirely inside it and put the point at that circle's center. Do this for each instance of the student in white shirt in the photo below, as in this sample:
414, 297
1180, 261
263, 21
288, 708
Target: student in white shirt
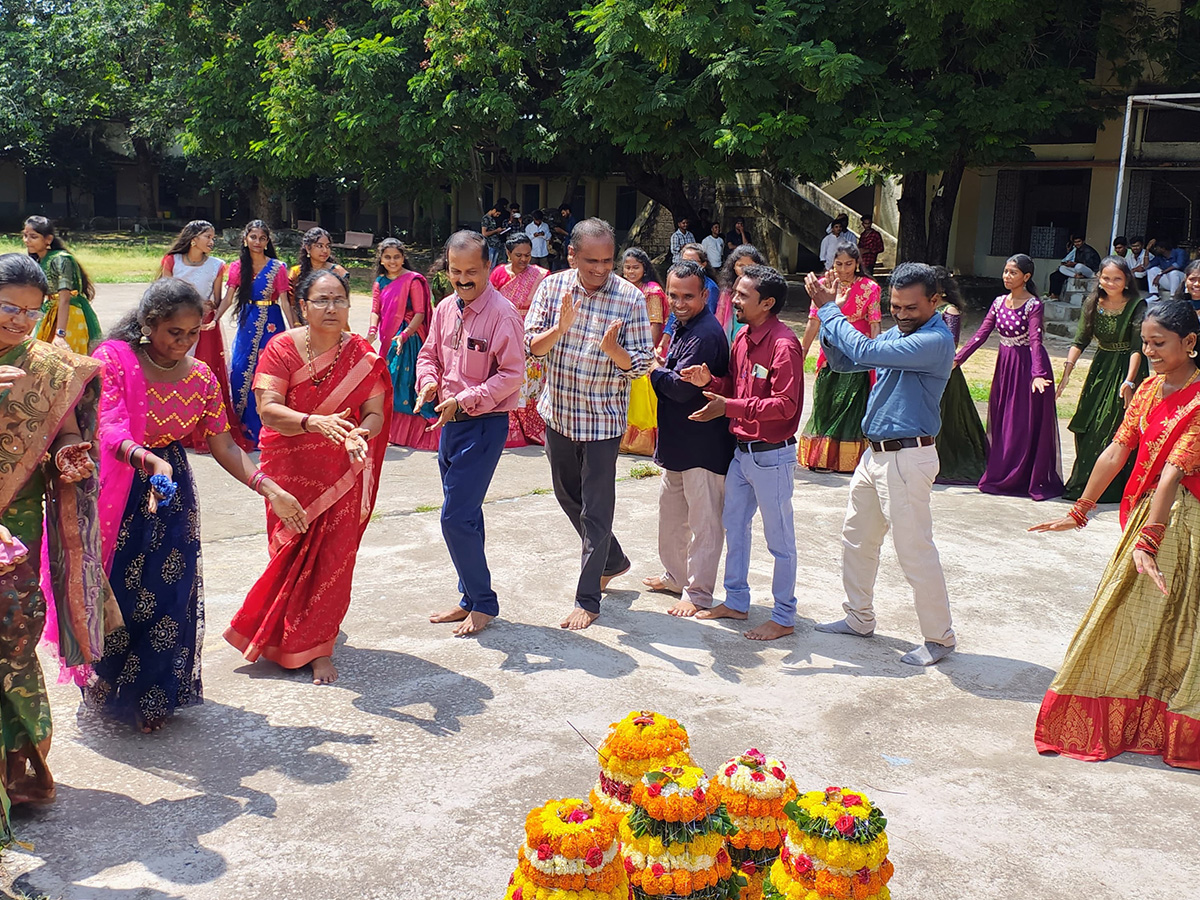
714, 247
539, 234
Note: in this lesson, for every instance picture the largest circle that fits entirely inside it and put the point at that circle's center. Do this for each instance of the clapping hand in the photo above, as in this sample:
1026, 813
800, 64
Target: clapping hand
427, 394
73, 462
699, 375
819, 290
713, 409
445, 410
567, 310
608, 343
337, 427
356, 444
9, 375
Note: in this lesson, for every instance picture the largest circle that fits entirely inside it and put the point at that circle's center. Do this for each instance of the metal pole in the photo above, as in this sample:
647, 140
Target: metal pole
1116, 220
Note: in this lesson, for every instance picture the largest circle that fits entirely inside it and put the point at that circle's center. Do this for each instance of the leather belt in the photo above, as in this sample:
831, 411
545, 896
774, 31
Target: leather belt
763, 446
460, 416
902, 444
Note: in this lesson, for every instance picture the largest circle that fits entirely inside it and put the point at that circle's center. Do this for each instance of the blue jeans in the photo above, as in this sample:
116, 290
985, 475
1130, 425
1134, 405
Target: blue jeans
762, 481
468, 453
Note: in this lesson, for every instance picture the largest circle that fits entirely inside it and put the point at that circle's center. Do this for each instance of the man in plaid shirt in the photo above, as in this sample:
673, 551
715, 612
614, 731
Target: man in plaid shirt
592, 330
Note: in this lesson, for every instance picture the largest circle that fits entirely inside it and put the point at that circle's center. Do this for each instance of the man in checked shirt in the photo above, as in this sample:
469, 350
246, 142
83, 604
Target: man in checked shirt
592, 330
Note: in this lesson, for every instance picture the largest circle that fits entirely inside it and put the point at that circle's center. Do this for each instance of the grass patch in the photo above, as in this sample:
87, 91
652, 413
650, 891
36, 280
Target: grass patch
644, 470
810, 363
981, 391
428, 507
539, 491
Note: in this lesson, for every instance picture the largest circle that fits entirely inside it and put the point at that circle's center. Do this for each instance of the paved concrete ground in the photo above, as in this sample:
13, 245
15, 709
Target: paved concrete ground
411, 777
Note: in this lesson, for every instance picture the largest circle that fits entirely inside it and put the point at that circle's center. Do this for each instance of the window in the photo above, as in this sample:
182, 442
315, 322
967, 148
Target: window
531, 197
627, 207
1037, 209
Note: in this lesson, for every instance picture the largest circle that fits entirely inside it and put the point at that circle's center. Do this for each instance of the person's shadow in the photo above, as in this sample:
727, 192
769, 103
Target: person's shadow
108, 829
531, 649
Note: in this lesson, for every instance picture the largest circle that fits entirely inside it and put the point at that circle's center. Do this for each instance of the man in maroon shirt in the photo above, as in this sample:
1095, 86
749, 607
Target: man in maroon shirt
870, 245
762, 396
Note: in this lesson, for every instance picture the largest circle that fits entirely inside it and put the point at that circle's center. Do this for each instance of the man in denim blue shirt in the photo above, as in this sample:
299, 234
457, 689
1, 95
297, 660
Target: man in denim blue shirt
890, 488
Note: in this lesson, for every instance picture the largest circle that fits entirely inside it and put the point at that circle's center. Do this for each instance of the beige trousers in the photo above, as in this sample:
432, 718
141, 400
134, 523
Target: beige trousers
891, 491
690, 534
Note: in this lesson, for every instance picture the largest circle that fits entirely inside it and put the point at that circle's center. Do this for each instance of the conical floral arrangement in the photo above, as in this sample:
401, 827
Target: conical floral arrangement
570, 853
755, 789
641, 742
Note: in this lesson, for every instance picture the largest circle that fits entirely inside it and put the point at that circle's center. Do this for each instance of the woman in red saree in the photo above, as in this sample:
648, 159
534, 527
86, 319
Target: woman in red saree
326, 402
518, 282
1131, 677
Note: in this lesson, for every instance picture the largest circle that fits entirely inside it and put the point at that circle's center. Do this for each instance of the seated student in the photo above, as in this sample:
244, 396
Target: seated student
1138, 257
1081, 261
1164, 271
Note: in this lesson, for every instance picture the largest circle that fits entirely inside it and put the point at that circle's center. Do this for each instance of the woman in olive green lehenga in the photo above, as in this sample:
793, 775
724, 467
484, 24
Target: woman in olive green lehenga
68, 320
48, 402
962, 443
1112, 314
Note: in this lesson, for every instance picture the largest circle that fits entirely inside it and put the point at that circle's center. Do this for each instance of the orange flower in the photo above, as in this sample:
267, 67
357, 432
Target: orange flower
681, 882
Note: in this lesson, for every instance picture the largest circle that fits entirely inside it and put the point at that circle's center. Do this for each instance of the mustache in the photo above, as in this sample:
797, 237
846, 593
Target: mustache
465, 284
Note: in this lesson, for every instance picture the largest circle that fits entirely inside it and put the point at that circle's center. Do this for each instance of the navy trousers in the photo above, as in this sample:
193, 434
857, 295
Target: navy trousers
468, 453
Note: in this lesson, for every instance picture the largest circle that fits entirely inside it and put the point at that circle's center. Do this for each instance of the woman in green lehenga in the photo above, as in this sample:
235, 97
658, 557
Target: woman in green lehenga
68, 320
48, 400
1112, 314
962, 443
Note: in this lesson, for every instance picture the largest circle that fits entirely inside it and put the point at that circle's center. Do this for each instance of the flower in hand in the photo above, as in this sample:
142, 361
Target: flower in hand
713, 409
73, 462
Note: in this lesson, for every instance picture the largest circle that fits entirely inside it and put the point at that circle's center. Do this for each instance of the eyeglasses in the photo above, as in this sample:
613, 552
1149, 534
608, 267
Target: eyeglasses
326, 302
17, 311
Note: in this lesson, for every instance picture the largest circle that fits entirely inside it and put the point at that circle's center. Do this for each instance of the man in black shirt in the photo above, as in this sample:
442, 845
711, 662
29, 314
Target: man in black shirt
694, 455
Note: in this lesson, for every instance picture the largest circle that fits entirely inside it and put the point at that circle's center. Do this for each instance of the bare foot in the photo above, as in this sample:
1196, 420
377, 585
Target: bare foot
605, 579
660, 584
475, 623
578, 620
451, 615
769, 631
720, 611
323, 670
684, 609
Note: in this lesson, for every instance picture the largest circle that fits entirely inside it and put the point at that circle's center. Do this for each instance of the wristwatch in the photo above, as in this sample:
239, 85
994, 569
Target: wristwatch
61, 333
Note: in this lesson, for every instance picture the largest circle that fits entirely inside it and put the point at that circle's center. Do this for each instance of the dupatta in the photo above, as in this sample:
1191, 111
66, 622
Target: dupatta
359, 375
398, 297
80, 606
1168, 428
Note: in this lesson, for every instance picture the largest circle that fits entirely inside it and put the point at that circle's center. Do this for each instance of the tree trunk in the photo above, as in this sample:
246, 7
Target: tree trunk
569, 194
667, 191
912, 240
267, 205
144, 164
941, 211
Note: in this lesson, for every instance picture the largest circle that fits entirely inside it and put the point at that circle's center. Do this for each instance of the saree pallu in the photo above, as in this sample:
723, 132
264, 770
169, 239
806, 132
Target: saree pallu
151, 665
1131, 677
833, 441
294, 611
525, 425
962, 443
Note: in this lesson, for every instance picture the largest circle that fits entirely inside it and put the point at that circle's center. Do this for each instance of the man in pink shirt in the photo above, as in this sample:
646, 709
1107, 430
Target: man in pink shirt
474, 364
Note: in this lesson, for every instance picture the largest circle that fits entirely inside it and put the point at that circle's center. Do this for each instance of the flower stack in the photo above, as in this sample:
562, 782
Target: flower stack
674, 839
641, 742
755, 789
570, 853
835, 847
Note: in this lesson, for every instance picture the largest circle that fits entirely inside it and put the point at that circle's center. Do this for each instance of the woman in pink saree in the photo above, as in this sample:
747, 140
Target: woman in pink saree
519, 281
326, 405
400, 314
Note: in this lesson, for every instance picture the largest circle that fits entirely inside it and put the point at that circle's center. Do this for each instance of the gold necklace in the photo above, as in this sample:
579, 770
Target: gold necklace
1162, 384
312, 372
171, 368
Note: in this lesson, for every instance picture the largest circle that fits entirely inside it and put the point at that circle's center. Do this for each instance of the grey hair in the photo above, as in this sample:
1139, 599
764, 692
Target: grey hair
592, 228
468, 240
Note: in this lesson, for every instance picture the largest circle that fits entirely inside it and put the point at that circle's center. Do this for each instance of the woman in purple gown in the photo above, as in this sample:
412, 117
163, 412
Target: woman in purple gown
1022, 421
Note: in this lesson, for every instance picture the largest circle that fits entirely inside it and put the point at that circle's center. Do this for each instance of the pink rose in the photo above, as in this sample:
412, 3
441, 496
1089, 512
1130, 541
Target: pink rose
749, 868
864, 875
730, 770
722, 856
654, 789
657, 870
577, 816
784, 853
778, 773
851, 800
698, 795
803, 864
517, 893
594, 858
544, 852
629, 866
757, 776
845, 825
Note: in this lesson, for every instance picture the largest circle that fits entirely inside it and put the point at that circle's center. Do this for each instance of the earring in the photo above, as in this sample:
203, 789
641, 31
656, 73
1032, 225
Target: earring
1192, 353
145, 334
